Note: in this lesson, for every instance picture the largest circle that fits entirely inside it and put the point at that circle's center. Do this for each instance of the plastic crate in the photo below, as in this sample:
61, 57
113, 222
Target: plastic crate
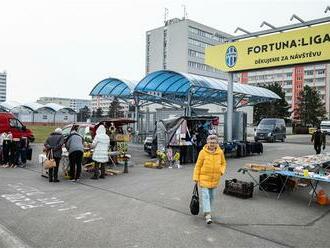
238, 188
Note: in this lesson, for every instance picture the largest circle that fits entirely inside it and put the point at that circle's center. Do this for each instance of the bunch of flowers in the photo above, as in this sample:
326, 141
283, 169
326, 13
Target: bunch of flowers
176, 156
161, 155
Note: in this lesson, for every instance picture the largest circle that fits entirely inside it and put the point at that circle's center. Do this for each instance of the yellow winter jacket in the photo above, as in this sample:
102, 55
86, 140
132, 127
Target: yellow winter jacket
209, 167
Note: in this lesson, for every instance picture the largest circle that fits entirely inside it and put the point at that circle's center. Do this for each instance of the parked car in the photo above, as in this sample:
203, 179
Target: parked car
271, 129
148, 144
325, 126
9, 123
88, 130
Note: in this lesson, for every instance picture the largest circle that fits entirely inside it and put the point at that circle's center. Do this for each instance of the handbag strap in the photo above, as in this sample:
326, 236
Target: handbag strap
50, 154
195, 192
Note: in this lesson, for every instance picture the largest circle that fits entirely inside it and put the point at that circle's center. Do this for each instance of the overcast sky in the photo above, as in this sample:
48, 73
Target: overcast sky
63, 48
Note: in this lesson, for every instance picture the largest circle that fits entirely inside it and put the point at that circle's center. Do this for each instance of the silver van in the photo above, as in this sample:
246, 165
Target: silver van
325, 127
270, 129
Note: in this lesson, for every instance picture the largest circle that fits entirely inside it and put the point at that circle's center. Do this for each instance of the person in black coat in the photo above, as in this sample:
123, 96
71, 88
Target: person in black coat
318, 138
54, 144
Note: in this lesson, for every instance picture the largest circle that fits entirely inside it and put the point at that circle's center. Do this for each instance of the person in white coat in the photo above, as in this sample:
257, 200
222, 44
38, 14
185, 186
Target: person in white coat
101, 145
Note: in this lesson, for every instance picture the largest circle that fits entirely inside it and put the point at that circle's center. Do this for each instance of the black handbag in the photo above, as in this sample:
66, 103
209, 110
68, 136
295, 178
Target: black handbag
194, 203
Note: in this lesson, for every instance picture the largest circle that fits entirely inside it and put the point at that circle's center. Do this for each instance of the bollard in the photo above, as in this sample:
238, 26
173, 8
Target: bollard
125, 167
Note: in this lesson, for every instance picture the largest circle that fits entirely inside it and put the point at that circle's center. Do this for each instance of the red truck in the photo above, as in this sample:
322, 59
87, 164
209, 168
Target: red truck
9, 123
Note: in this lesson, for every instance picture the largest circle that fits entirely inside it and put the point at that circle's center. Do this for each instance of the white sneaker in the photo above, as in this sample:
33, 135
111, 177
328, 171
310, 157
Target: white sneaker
208, 219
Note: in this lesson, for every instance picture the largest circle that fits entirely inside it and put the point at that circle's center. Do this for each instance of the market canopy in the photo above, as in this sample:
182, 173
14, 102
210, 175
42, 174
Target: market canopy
187, 89
181, 89
120, 88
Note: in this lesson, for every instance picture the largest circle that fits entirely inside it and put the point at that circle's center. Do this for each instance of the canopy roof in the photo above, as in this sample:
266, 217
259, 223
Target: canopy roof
182, 89
34, 106
174, 86
9, 105
57, 107
120, 88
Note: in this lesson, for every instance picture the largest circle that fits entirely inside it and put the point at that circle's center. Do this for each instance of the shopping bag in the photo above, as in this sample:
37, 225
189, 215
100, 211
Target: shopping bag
29, 153
50, 162
194, 203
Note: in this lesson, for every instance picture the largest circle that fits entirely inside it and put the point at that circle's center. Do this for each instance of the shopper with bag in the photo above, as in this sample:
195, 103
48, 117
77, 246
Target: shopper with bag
53, 147
75, 145
210, 166
101, 144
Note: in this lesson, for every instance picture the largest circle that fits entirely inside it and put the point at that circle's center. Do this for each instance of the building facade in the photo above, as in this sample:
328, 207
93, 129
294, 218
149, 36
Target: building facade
293, 79
179, 45
3, 86
75, 104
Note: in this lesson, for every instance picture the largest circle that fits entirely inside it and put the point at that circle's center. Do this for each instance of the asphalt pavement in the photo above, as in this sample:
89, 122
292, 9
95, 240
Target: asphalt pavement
150, 208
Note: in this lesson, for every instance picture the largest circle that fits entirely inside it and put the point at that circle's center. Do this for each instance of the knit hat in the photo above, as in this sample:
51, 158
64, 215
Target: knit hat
58, 130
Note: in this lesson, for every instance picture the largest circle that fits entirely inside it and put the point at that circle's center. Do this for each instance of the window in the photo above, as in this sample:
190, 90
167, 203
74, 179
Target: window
44, 117
12, 122
15, 123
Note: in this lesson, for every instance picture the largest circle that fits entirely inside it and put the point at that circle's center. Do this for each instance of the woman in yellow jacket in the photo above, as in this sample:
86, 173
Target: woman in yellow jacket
210, 166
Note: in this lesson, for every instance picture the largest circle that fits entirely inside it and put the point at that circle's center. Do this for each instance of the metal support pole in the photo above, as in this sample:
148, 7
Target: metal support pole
230, 108
147, 121
136, 124
189, 104
125, 166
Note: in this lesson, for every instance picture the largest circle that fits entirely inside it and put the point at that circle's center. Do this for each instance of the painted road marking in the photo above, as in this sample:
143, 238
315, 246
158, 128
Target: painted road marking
24, 200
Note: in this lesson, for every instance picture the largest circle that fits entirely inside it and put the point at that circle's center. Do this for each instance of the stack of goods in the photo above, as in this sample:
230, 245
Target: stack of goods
152, 164
307, 166
261, 167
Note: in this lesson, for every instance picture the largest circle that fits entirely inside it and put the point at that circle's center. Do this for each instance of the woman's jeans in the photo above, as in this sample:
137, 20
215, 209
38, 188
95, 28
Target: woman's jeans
207, 198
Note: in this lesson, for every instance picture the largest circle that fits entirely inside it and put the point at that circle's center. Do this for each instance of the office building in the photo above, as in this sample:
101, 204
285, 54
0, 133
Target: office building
3, 86
179, 45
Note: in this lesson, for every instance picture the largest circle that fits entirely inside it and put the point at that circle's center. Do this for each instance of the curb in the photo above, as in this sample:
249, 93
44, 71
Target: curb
9, 240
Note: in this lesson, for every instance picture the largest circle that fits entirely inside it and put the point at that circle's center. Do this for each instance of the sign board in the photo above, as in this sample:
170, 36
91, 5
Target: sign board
300, 46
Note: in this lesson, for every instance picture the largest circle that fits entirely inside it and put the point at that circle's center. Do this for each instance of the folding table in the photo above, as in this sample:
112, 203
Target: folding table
313, 181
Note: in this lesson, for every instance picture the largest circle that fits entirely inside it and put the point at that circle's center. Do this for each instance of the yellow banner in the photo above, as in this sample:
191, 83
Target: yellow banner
295, 47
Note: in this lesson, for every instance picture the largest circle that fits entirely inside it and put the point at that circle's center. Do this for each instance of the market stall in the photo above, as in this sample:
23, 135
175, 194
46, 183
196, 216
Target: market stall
184, 135
119, 133
290, 173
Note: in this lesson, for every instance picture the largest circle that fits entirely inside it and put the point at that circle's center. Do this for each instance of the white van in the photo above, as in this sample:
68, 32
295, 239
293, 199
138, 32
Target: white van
325, 127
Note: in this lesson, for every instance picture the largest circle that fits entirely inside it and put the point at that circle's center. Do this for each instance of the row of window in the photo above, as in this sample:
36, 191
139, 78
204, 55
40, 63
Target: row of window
217, 37
165, 50
265, 77
202, 67
317, 72
148, 53
198, 43
193, 53
45, 117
